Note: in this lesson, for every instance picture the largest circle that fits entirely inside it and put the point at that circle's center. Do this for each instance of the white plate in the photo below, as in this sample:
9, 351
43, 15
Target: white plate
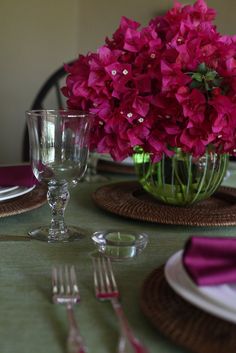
218, 300
7, 189
128, 161
18, 191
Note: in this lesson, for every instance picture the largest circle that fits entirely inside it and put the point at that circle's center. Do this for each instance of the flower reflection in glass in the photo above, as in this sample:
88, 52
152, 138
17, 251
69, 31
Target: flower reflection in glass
59, 151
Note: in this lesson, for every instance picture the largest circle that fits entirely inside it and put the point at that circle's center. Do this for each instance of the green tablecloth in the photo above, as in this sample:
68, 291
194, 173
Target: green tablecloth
29, 322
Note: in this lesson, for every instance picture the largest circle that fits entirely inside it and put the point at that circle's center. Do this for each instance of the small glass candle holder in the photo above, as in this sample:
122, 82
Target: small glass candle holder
120, 244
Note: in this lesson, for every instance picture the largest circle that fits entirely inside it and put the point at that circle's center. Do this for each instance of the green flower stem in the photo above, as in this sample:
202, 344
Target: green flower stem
163, 172
223, 167
180, 184
190, 178
200, 188
212, 175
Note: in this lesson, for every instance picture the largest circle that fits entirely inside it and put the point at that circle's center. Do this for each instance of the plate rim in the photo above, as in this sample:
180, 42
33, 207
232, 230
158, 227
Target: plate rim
22, 191
192, 295
5, 189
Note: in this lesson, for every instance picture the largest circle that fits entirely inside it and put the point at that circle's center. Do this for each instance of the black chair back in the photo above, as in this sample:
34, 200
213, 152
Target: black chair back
50, 89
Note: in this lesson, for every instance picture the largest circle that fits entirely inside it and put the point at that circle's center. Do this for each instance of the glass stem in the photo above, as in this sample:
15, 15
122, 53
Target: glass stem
58, 197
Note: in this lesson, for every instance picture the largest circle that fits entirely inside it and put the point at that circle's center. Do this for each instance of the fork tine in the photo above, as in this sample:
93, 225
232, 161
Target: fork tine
112, 277
54, 280
67, 280
102, 278
106, 274
64, 284
104, 281
99, 283
61, 280
95, 276
73, 278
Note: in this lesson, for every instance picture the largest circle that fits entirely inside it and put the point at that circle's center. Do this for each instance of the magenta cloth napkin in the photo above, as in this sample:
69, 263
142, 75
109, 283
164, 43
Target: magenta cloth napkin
210, 260
20, 175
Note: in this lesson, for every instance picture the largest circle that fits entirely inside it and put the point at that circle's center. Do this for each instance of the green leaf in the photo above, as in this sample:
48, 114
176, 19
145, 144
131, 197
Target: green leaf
210, 75
197, 76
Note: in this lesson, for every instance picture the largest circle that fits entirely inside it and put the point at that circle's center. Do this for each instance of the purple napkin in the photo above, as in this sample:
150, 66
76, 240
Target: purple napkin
210, 260
20, 175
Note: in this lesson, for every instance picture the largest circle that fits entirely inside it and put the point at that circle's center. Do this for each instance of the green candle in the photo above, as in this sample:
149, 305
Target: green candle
120, 244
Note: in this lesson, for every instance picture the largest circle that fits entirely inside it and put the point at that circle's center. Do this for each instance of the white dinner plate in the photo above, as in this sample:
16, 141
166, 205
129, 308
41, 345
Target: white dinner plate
219, 300
16, 192
7, 189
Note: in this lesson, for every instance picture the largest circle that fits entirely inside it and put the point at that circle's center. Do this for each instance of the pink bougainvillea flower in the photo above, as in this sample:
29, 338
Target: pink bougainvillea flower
172, 76
193, 104
169, 84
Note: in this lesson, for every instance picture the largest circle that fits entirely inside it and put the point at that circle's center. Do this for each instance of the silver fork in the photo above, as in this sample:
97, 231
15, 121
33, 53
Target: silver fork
106, 289
66, 291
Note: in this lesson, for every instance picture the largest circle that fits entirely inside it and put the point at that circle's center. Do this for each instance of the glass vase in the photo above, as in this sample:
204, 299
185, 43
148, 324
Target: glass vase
181, 179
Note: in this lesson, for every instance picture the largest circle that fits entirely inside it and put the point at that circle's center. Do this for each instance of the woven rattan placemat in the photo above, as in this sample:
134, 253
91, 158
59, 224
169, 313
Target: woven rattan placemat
27, 202
128, 199
183, 323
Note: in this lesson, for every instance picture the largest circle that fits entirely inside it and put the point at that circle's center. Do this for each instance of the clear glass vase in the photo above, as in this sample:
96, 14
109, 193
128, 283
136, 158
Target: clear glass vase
181, 179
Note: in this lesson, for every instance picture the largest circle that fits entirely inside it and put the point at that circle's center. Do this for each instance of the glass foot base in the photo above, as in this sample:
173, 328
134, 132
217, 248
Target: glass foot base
42, 234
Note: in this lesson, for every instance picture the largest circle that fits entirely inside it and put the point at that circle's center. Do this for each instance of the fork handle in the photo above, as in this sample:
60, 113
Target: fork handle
126, 331
74, 342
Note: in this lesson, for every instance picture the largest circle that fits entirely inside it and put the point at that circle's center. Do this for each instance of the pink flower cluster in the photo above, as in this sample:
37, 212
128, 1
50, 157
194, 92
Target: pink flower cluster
169, 84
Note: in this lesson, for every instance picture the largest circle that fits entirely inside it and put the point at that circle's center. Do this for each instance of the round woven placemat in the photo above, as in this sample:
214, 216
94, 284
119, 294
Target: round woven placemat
183, 323
128, 199
27, 202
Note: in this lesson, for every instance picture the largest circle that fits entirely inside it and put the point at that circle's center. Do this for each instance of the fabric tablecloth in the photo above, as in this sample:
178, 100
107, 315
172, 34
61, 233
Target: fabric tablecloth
29, 322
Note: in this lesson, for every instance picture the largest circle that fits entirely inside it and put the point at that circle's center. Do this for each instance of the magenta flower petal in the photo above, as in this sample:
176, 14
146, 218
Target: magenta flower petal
141, 106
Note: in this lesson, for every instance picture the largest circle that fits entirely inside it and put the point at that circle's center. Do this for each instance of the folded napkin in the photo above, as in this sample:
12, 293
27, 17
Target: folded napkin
20, 175
210, 260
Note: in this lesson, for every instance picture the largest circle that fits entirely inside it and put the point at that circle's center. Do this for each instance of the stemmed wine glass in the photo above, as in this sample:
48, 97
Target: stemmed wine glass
59, 150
